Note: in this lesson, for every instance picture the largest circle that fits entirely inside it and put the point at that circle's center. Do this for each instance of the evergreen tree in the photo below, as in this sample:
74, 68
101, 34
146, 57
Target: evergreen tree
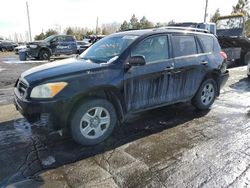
215, 16
134, 22
242, 7
124, 26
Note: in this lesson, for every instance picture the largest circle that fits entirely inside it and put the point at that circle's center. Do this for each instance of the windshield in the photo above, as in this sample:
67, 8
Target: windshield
108, 48
230, 23
49, 38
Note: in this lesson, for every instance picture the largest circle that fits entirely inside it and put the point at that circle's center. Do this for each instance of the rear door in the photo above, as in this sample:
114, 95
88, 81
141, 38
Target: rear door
147, 86
71, 44
210, 48
54, 45
189, 66
63, 46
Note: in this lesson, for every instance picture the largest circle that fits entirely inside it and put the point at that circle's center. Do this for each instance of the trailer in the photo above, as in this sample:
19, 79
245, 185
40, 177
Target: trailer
232, 37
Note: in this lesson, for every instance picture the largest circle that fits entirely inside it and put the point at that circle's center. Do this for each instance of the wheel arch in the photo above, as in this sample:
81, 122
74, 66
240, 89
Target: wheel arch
45, 48
214, 74
110, 93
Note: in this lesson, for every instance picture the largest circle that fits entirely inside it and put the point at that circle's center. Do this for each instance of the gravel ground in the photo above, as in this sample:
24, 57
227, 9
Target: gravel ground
9, 73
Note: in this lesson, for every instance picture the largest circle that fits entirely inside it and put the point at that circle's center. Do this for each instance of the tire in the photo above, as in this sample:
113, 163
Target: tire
247, 59
44, 55
206, 95
86, 125
4, 49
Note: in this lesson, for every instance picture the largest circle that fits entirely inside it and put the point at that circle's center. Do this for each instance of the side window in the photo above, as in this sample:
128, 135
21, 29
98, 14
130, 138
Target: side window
207, 43
61, 38
69, 39
55, 39
153, 49
184, 45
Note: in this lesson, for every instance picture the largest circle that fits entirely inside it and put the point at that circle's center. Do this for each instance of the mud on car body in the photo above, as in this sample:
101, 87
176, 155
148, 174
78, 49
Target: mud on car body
52, 45
121, 74
248, 69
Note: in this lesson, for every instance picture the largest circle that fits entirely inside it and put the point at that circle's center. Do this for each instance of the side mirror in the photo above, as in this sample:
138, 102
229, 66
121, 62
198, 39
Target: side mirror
137, 60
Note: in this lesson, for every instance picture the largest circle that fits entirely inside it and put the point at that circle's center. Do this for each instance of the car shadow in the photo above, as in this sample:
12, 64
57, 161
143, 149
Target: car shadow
63, 150
241, 85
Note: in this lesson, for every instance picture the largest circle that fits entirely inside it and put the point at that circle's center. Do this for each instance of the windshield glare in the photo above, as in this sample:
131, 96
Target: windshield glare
230, 23
49, 38
108, 48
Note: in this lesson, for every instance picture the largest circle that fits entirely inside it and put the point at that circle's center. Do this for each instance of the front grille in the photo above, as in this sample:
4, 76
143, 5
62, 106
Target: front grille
21, 87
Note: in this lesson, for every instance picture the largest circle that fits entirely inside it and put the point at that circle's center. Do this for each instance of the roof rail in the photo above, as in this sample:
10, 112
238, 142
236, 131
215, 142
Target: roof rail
183, 28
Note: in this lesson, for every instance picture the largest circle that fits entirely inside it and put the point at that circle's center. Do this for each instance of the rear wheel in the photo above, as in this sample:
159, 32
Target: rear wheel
93, 122
206, 95
44, 55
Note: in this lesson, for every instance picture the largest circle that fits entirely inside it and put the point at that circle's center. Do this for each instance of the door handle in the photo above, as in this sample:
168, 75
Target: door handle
204, 62
169, 68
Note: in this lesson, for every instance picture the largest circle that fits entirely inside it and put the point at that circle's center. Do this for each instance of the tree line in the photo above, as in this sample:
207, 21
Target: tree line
242, 6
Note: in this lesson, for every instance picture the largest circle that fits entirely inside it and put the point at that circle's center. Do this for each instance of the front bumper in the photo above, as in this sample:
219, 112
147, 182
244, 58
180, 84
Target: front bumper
32, 52
32, 110
223, 78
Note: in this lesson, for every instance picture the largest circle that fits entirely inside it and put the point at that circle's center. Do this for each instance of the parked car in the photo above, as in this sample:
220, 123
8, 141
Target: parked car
7, 46
121, 74
87, 42
18, 48
82, 45
52, 45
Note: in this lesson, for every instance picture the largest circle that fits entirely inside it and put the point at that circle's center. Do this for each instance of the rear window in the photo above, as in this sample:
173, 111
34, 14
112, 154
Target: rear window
207, 43
184, 45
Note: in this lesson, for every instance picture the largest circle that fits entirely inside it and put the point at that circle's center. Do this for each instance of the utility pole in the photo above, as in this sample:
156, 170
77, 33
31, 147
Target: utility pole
205, 16
96, 29
28, 14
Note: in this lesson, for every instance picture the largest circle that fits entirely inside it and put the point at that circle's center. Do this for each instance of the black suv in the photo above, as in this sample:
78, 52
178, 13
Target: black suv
121, 74
7, 46
52, 45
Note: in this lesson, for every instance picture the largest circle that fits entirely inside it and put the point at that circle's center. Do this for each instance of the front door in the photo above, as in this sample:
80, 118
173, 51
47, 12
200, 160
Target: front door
147, 86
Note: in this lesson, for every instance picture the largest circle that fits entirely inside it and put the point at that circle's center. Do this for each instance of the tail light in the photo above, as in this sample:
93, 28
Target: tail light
223, 54
224, 63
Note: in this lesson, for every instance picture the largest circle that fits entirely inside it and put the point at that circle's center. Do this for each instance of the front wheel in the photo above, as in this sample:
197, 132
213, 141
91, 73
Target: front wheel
44, 55
206, 95
93, 122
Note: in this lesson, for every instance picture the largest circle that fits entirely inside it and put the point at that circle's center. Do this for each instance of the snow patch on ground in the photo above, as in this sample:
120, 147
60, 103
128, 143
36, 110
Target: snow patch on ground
48, 161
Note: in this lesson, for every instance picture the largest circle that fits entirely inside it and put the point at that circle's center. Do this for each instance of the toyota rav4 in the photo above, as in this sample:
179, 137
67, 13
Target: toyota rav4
122, 74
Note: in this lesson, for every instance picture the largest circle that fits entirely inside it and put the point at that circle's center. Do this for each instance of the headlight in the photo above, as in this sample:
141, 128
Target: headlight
48, 90
33, 46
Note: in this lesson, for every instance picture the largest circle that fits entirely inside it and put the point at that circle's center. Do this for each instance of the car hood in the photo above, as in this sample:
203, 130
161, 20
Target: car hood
38, 42
57, 69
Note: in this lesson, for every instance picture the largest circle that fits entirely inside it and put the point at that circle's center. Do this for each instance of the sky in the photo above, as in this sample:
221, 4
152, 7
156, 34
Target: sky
46, 14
